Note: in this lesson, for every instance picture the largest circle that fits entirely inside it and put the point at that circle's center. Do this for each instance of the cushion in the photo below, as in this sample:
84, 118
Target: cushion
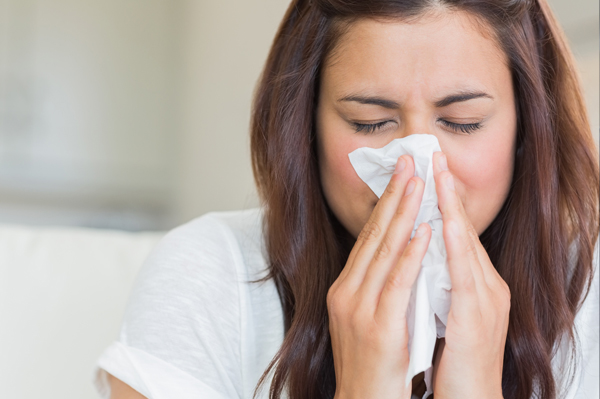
63, 293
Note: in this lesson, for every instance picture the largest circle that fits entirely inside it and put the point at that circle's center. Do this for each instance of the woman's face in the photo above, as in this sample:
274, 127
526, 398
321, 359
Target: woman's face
438, 75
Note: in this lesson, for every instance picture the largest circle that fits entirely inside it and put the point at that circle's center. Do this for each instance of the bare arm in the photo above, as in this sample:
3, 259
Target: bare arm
120, 390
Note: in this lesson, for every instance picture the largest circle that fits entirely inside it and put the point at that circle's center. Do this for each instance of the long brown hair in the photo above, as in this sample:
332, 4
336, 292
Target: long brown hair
552, 203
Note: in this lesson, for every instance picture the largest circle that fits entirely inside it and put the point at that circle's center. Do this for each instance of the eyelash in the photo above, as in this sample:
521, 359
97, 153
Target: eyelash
458, 127
368, 128
462, 127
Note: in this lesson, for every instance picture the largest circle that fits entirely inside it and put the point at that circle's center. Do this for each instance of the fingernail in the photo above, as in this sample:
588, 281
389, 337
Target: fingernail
450, 182
410, 188
420, 231
442, 162
400, 166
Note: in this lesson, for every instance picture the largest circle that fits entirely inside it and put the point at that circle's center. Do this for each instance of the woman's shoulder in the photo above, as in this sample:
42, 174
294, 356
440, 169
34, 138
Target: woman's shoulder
191, 314
221, 242
243, 227
206, 261
240, 222
201, 266
202, 256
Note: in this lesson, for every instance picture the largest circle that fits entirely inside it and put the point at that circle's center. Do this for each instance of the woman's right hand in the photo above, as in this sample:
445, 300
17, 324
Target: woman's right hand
367, 303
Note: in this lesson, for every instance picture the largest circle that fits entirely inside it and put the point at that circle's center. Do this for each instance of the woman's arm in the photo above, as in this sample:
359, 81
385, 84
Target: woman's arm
120, 390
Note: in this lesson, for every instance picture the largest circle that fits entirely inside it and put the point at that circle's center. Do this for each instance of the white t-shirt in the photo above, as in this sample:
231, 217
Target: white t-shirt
194, 328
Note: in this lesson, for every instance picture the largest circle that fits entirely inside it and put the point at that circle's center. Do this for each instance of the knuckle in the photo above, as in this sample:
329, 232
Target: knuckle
471, 250
384, 250
442, 176
405, 213
506, 295
392, 188
330, 297
332, 306
336, 310
411, 251
468, 283
455, 207
501, 289
335, 302
397, 280
472, 232
370, 232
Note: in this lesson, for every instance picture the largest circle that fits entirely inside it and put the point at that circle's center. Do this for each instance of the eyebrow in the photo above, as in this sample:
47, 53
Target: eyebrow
444, 102
382, 102
460, 97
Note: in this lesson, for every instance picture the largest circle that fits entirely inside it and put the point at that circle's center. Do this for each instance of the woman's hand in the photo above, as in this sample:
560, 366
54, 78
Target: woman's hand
470, 364
367, 303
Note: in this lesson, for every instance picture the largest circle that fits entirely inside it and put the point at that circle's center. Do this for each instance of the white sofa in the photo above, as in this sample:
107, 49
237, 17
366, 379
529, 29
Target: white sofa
62, 296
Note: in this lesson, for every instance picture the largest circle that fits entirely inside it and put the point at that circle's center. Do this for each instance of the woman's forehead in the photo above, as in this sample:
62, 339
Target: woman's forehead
431, 55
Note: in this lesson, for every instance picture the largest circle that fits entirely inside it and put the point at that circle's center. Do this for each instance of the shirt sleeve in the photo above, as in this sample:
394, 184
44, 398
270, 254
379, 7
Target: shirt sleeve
587, 324
180, 337
577, 376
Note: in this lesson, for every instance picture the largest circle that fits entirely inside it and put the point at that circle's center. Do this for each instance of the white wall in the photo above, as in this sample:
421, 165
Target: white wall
589, 68
87, 110
225, 46
579, 19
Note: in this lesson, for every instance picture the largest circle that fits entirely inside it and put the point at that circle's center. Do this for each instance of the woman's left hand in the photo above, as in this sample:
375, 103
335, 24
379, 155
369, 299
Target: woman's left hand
470, 362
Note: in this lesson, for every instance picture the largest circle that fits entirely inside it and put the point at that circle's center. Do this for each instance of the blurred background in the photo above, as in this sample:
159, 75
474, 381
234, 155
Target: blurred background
133, 115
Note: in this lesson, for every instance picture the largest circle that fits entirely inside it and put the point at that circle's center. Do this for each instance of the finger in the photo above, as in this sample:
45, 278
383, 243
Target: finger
375, 228
451, 207
403, 172
395, 240
463, 264
464, 295
493, 279
395, 294
483, 268
490, 274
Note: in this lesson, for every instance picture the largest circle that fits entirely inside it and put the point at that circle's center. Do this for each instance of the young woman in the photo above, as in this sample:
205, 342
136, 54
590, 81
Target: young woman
518, 188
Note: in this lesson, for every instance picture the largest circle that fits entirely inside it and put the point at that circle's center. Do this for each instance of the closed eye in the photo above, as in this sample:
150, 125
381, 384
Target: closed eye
461, 127
368, 127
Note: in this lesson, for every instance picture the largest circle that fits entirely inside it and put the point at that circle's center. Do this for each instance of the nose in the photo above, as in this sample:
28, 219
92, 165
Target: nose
416, 118
414, 125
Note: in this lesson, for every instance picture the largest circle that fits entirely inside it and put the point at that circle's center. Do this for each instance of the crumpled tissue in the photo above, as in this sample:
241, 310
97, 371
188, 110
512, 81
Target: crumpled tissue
429, 304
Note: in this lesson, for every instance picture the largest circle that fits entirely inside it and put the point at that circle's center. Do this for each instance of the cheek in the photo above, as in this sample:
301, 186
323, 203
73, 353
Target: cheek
335, 164
483, 171
350, 199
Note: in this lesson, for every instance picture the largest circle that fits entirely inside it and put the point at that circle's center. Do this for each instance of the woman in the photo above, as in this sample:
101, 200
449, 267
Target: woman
518, 190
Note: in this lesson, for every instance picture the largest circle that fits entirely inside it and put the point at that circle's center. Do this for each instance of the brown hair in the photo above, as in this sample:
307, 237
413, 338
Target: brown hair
552, 202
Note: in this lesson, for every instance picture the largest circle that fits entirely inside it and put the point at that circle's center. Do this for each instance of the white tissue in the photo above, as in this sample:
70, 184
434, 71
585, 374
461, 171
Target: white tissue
429, 303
